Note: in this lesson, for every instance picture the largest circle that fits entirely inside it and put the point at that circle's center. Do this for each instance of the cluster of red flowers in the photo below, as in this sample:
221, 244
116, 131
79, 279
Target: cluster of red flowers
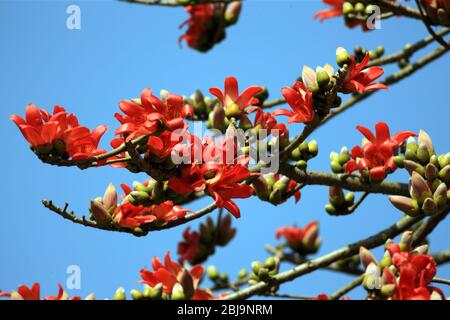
376, 157
300, 97
403, 273
59, 133
174, 277
34, 293
207, 23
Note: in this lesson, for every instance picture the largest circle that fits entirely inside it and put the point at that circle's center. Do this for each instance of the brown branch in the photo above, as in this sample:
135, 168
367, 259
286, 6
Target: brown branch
347, 288
175, 3
427, 22
398, 9
426, 228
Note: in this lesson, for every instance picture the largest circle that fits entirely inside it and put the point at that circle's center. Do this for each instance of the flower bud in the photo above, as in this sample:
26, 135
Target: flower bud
419, 188
296, 154
261, 188
213, 273
217, 118
406, 241
313, 148
336, 196
440, 195
386, 261
177, 292
322, 77
232, 12
136, 294
256, 266
242, 273
429, 207
387, 290
422, 153
425, 139
350, 198
431, 172
301, 164
379, 50
263, 274
120, 294
347, 8
270, 263
366, 257
336, 167
342, 55
245, 123
423, 249
444, 174
412, 166
330, 209
407, 205
101, 215
444, 160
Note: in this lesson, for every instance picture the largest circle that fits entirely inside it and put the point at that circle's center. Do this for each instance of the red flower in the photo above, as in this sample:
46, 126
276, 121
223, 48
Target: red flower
24, 293
233, 102
82, 144
359, 78
377, 153
33, 293
300, 100
334, 11
304, 240
160, 147
189, 248
150, 115
170, 273
129, 216
200, 15
266, 120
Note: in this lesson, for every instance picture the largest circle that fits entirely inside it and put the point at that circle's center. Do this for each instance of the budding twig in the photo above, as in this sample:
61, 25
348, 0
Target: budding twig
175, 3
426, 21
323, 261
398, 9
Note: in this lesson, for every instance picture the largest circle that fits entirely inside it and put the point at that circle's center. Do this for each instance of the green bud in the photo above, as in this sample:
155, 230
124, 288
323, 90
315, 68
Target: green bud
136, 294
444, 174
379, 50
422, 153
431, 172
270, 263
242, 273
177, 292
350, 198
359, 7
444, 160
322, 77
245, 123
347, 8
440, 195
140, 196
303, 147
336, 167
343, 158
281, 185
256, 266
429, 207
434, 160
331, 209
213, 273
342, 55
385, 262
233, 111
302, 165
120, 294
296, 154
263, 274
387, 290
313, 148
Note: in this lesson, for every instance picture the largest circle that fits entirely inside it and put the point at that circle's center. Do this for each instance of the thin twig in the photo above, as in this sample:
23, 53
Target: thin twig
347, 288
427, 22
441, 280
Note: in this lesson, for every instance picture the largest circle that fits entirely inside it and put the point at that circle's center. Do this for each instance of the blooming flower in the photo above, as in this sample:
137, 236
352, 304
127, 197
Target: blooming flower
129, 216
300, 100
377, 153
359, 77
82, 144
33, 293
303, 240
267, 121
233, 102
171, 273
59, 133
150, 115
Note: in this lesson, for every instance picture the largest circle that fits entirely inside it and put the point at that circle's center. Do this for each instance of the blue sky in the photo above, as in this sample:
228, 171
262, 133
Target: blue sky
123, 48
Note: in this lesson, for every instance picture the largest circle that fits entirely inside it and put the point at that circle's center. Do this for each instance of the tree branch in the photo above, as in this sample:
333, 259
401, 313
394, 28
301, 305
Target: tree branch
347, 288
321, 262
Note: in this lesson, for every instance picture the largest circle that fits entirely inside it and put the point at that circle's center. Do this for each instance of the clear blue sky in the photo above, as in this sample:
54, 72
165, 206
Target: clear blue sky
123, 48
